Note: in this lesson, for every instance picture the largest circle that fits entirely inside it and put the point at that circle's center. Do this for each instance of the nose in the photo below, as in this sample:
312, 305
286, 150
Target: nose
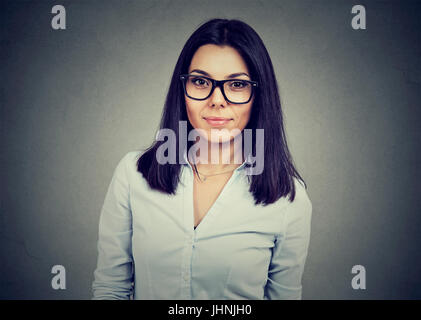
217, 98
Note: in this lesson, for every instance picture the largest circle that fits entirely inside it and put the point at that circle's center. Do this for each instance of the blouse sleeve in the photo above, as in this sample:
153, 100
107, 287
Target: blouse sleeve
113, 276
290, 251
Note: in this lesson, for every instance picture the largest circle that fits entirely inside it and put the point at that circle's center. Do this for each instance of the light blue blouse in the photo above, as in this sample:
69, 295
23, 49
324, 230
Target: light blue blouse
148, 247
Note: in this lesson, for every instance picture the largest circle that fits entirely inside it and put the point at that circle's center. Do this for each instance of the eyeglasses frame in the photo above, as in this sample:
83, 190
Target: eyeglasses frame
220, 84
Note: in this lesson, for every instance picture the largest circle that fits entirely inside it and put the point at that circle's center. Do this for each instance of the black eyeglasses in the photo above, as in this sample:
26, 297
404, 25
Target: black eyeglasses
237, 91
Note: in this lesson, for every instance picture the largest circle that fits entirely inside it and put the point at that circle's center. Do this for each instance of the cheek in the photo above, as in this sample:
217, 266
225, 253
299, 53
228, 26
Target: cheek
193, 112
243, 118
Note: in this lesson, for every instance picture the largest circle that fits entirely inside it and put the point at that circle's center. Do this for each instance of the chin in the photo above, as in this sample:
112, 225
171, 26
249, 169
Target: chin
222, 139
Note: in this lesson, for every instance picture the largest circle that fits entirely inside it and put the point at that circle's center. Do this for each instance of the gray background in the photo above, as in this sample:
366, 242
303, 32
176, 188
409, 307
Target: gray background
73, 102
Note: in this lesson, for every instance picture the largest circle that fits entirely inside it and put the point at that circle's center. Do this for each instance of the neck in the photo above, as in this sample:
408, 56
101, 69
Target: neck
220, 157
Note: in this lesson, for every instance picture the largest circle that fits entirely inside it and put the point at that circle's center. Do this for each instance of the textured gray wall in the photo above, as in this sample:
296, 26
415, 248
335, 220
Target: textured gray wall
73, 102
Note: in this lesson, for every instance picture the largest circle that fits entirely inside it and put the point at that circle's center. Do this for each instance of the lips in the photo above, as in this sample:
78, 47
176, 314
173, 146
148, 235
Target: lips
217, 121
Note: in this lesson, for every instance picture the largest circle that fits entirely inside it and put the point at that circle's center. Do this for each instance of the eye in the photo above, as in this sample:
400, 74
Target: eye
200, 82
238, 84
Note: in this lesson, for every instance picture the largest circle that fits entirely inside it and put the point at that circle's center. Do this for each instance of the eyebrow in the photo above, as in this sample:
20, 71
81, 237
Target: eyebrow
232, 75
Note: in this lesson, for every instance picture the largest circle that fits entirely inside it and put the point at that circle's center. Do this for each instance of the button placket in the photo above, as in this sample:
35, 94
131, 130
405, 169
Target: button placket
185, 280
186, 270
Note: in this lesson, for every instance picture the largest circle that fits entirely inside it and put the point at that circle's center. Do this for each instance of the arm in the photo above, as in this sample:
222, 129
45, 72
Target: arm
113, 275
290, 250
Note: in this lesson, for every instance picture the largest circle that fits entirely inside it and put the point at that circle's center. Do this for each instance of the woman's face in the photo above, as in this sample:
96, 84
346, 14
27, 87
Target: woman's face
219, 63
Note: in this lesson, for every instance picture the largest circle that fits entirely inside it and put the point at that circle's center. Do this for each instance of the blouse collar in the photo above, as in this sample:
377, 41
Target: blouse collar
247, 162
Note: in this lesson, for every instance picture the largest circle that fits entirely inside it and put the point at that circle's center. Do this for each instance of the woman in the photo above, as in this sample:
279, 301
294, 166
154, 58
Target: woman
207, 226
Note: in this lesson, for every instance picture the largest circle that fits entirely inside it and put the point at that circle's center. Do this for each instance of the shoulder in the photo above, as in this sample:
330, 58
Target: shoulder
130, 159
132, 156
299, 211
127, 165
301, 199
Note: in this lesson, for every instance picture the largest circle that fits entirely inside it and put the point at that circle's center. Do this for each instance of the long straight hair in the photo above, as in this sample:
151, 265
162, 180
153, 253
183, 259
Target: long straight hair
276, 180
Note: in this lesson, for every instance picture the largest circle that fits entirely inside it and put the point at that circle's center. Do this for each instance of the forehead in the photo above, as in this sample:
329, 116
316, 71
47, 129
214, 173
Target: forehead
218, 61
